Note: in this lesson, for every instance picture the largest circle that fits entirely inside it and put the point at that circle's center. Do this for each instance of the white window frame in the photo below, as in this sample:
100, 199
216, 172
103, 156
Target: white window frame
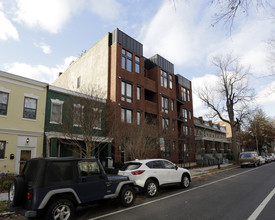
56, 102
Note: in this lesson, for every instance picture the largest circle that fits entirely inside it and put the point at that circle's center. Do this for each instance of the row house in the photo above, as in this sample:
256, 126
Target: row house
22, 114
211, 142
72, 122
141, 89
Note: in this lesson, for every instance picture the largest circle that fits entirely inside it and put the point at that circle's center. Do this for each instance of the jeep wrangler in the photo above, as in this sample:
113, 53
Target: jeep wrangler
52, 188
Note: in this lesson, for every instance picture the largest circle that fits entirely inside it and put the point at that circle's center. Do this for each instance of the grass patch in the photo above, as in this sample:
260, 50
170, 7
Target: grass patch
4, 206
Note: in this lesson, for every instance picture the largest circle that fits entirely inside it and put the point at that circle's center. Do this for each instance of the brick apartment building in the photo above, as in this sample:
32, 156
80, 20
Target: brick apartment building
141, 88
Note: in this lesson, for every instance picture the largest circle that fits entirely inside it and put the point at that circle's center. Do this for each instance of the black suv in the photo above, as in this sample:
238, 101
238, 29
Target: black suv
52, 187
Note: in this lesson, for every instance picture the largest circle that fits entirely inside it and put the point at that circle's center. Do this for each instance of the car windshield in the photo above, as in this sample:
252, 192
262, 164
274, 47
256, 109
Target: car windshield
245, 156
130, 166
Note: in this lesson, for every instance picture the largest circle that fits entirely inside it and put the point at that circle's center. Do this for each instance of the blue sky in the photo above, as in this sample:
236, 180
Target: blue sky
39, 38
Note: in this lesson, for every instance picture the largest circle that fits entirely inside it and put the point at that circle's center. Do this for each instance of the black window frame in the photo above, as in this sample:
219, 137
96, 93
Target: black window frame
137, 64
164, 79
127, 60
124, 117
124, 92
164, 104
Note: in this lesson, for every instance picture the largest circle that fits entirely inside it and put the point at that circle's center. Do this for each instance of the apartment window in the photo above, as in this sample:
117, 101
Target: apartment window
163, 79
30, 105
78, 81
183, 93
127, 58
184, 114
138, 117
97, 118
165, 123
173, 125
188, 95
138, 92
2, 149
191, 131
171, 81
56, 111
190, 115
166, 152
172, 105
78, 115
164, 104
4, 97
126, 115
126, 91
185, 129
137, 64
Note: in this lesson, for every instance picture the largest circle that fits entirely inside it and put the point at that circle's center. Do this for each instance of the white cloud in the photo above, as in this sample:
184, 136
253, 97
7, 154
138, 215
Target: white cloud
7, 29
267, 94
38, 72
44, 47
106, 9
49, 15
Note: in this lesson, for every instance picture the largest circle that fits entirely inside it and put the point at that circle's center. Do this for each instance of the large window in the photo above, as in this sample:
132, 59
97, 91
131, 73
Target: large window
127, 58
185, 114
171, 81
2, 149
163, 79
185, 130
78, 115
138, 92
126, 91
56, 111
4, 97
188, 95
172, 105
97, 119
30, 105
138, 117
165, 123
183, 93
137, 64
126, 115
164, 104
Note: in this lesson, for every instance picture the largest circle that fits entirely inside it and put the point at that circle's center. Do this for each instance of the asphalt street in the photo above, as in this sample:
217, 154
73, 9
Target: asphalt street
242, 193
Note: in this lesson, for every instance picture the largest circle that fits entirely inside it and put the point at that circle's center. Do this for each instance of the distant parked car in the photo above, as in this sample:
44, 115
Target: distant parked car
272, 156
262, 160
152, 174
269, 158
249, 158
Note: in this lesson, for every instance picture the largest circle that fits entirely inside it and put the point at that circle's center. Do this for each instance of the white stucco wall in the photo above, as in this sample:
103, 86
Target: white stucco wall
92, 67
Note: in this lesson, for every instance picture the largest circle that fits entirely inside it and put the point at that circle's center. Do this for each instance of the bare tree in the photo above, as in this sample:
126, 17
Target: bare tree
228, 10
229, 98
84, 130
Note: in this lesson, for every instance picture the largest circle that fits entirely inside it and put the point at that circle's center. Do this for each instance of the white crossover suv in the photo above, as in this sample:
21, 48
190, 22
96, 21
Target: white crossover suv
151, 174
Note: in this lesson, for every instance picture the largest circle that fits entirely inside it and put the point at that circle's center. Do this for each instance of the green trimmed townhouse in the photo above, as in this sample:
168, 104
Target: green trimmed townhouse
75, 126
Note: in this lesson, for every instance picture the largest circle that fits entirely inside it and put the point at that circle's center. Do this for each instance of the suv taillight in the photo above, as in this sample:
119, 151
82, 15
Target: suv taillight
138, 172
29, 196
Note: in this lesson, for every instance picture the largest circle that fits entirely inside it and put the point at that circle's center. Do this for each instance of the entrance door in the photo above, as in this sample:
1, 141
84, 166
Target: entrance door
24, 156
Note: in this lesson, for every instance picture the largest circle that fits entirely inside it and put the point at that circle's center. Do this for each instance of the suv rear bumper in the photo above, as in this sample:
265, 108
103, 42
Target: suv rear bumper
26, 213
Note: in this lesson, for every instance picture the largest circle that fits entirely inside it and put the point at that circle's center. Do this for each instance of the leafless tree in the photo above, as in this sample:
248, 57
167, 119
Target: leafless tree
84, 115
229, 99
228, 10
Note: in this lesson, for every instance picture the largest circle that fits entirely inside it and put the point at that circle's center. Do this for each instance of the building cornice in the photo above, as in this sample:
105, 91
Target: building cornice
20, 132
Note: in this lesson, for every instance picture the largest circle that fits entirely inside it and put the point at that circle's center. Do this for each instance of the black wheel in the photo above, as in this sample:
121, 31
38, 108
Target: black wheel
185, 181
255, 164
17, 191
151, 188
127, 196
61, 209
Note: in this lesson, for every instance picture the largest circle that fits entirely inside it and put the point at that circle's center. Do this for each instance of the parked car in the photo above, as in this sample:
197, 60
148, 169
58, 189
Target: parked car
272, 156
269, 158
262, 160
249, 158
152, 174
51, 188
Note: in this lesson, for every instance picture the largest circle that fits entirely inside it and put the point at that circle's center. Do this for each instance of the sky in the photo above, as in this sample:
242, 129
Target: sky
40, 38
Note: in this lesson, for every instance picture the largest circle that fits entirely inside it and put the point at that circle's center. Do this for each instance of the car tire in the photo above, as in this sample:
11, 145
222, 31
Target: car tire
127, 196
60, 209
151, 188
185, 181
255, 164
16, 193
